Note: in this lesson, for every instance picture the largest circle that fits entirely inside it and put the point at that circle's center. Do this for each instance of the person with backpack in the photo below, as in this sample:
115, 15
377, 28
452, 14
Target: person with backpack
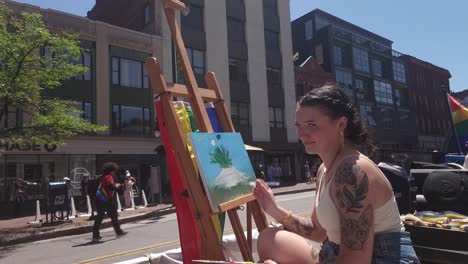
105, 200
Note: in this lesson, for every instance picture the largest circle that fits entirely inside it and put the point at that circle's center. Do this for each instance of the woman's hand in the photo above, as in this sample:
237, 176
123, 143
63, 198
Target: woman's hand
269, 262
265, 197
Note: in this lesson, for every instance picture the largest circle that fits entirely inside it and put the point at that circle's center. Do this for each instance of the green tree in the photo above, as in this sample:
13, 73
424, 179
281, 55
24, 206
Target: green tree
33, 61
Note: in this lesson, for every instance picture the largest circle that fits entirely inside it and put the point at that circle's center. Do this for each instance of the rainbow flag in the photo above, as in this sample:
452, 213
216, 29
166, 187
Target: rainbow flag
460, 120
102, 195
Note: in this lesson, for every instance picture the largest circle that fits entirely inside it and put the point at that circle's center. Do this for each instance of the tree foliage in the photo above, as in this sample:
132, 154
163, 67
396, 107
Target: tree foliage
34, 60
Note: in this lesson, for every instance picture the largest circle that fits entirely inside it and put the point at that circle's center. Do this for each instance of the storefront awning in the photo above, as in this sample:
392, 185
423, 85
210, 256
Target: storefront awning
252, 148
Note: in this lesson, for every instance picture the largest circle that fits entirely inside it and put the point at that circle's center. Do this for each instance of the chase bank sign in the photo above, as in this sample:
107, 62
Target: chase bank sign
7, 146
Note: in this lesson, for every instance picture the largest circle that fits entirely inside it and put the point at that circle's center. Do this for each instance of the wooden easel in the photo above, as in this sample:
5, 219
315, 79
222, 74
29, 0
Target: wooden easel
211, 245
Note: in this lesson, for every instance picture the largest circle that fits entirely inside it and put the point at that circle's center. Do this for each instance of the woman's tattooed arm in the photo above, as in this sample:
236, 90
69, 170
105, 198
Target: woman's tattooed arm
299, 225
354, 206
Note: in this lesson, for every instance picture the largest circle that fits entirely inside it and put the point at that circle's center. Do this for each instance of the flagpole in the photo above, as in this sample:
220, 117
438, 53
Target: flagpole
451, 120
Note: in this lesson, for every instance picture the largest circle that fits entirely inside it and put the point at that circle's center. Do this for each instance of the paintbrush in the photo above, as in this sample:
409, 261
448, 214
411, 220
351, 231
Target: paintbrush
225, 262
267, 183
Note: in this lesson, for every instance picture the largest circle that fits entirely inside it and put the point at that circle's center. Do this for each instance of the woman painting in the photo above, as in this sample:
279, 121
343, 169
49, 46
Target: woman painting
355, 214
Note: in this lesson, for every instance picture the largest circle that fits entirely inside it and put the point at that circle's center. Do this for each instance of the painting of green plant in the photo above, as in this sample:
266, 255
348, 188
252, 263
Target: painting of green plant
224, 165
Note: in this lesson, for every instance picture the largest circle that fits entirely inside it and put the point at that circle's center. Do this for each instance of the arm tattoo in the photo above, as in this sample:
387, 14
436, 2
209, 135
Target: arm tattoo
354, 232
350, 195
300, 225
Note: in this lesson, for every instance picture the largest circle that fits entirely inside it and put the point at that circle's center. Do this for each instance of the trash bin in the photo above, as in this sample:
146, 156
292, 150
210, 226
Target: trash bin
58, 201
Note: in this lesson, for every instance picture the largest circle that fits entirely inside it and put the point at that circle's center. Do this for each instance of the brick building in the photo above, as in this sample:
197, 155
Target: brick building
309, 75
428, 87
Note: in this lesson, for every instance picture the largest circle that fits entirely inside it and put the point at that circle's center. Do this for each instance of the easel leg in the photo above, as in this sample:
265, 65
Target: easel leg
238, 231
249, 226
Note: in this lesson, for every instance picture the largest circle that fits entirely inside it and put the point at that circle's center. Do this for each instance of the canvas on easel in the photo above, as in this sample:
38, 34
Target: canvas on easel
225, 167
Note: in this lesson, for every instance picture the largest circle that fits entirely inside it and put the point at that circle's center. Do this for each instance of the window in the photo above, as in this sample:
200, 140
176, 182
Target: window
321, 23
197, 60
129, 73
274, 79
387, 123
359, 84
131, 120
271, 7
195, 18
272, 40
397, 97
360, 88
276, 117
399, 73
377, 67
233, 69
308, 29
366, 114
84, 60
10, 117
344, 78
237, 70
338, 55
360, 59
231, 4
383, 92
235, 30
86, 109
404, 123
240, 113
146, 15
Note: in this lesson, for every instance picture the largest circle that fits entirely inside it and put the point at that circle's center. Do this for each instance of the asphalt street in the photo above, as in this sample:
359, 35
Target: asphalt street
152, 235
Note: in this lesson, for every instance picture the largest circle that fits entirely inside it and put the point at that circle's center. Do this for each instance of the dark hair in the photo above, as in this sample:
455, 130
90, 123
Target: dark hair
334, 102
109, 167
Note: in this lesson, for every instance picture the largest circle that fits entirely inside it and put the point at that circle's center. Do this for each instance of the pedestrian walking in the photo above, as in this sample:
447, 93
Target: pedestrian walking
105, 200
18, 196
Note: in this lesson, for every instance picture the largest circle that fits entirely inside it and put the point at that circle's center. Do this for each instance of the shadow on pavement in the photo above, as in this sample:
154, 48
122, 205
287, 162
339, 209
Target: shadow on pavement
5, 251
91, 243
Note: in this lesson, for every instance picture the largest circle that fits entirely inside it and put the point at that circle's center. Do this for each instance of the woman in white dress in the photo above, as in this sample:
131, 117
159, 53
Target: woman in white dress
128, 193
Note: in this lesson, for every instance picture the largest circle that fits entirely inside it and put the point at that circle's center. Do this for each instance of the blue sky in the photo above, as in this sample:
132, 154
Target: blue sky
430, 30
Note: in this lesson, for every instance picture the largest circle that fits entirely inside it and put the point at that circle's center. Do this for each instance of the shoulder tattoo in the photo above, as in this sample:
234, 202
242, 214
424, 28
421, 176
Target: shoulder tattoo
349, 192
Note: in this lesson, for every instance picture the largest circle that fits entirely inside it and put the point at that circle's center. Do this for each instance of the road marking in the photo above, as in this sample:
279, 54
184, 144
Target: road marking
159, 245
129, 252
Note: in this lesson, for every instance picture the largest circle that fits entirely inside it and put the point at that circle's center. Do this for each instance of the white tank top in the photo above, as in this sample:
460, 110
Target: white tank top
386, 218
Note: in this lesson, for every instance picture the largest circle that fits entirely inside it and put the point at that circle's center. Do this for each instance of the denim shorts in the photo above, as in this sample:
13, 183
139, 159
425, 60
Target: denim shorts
389, 248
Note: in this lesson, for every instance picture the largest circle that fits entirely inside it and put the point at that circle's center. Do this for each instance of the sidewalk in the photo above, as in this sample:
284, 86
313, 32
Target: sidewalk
17, 230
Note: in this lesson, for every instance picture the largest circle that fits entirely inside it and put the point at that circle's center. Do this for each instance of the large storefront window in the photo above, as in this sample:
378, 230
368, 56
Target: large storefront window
35, 169
80, 166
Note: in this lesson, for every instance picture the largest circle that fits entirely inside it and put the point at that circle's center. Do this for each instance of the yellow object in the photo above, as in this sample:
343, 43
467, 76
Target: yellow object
184, 120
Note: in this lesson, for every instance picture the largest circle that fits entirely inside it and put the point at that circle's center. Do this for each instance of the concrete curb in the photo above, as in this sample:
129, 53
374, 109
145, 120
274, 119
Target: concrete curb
294, 191
107, 223
85, 228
